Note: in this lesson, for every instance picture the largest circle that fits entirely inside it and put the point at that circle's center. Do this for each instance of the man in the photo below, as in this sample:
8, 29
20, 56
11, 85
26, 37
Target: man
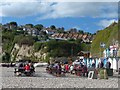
108, 65
93, 63
27, 67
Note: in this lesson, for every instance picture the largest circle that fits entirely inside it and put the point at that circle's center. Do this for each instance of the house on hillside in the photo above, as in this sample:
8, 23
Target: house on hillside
80, 36
6, 26
31, 31
85, 54
75, 36
35, 32
85, 38
49, 31
13, 27
70, 35
91, 37
66, 36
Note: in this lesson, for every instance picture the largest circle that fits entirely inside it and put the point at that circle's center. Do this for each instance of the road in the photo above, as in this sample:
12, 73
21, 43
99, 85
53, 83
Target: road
39, 72
42, 79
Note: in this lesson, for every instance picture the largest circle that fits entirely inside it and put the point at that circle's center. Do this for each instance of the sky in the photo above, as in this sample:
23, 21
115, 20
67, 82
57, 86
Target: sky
89, 16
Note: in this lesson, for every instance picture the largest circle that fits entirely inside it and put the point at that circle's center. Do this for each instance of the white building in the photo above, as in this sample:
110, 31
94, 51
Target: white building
112, 51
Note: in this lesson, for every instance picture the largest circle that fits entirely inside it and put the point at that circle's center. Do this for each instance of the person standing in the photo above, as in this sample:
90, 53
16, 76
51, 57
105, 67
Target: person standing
93, 63
66, 68
62, 69
108, 65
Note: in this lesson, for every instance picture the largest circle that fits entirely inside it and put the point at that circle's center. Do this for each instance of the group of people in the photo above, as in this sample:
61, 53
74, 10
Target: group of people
59, 68
24, 66
77, 67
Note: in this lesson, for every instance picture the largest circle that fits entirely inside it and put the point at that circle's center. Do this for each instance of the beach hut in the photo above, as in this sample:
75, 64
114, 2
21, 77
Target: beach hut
96, 62
114, 64
111, 61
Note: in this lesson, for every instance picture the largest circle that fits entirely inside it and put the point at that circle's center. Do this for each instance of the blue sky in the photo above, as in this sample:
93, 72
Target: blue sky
87, 16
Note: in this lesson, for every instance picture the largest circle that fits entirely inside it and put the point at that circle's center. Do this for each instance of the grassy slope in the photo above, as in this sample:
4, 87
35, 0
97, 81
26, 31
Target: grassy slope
107, 36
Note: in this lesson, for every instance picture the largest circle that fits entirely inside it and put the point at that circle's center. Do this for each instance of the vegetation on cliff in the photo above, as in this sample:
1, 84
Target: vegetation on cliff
107, 36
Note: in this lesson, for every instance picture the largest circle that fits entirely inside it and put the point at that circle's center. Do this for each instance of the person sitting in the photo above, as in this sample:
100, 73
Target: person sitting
101, 65
71, 69
32, 68
82, 63
66, 68
27, 67
108, 65
59, 69
21, 67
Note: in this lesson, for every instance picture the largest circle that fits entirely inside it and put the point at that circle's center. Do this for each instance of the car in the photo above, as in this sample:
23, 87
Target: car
40, 64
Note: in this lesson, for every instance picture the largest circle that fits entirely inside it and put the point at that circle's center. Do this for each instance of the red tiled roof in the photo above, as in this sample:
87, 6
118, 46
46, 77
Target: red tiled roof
80, 36
71, 36
84, 36
75, 36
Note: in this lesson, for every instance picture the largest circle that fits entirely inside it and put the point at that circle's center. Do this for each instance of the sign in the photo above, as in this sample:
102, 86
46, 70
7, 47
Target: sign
90, 74
102, 45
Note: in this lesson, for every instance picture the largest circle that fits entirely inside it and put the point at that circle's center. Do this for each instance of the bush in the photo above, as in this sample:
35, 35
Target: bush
37, 46
6, 57
21, 39
62, 48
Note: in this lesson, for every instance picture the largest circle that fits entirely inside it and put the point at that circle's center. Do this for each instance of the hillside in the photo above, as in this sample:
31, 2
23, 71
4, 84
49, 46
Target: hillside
107, 36
34, 42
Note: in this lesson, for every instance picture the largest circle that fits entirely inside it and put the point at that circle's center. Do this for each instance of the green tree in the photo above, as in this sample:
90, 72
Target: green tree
61, 30
17, 38
13, 23
29, 25
79, 41
62, 48
53, 27
39, 26
73, 30
27, 40
81, 31
37, 46
6, 57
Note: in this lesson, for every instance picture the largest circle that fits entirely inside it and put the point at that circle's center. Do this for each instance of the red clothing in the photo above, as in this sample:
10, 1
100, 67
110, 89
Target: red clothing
66, 67
27, 67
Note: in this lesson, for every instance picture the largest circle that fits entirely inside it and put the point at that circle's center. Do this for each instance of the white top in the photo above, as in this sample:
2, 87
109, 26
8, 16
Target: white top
71, 67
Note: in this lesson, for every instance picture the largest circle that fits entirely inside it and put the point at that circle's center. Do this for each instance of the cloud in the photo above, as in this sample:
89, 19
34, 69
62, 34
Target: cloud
59, 0
47, 10
77, 27
105, 23
91, 9
22, 9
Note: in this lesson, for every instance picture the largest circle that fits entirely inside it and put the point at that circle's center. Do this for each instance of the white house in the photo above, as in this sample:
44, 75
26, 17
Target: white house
49, 31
